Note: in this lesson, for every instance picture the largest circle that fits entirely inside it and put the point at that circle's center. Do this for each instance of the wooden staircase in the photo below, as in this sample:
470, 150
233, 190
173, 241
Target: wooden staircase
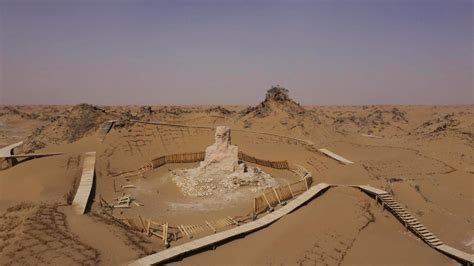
410, 222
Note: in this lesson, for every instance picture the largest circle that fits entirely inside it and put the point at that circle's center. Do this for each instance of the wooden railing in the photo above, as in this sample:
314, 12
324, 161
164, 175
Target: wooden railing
199, 156
272, 164
272, 197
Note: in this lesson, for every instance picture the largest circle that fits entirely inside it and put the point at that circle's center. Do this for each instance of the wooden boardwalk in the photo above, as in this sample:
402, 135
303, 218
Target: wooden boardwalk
385, 198
85, 186
371, 136
11, 159
105, 129
450, 251
268, 219
8, 150
412, 224
335, 156
33, 155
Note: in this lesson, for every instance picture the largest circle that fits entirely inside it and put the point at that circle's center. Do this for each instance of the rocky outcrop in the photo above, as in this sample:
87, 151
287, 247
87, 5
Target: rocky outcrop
221, 156
276, 99
74, 124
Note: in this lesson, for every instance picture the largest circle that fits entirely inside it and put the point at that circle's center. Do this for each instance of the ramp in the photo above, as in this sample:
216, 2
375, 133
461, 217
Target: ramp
85, 186
33, 155
460, 255
268, 219
105, 129
335, 156
7, 150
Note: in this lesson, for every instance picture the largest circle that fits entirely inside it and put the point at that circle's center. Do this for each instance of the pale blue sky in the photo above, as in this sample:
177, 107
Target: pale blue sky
231, 52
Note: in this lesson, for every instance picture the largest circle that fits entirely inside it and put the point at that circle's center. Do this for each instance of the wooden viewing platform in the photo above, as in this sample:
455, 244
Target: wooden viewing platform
85, 186
335, 156
412, 224
268, 219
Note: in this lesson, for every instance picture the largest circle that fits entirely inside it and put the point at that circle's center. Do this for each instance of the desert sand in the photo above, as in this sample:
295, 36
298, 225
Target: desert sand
422, 155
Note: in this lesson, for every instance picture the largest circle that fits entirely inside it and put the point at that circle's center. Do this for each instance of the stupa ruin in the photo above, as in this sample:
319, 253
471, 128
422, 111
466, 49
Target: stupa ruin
221, 170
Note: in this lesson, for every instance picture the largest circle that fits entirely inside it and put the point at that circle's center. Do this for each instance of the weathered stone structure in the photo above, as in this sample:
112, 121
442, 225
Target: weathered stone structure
220, 171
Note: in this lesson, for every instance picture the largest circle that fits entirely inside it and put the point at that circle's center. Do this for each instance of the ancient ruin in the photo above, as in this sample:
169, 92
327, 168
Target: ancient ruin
221, 170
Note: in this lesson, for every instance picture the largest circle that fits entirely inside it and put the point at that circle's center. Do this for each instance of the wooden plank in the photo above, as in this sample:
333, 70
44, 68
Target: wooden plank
143, 224
456, 253
85, 185
276, 194
168, 254
210, 226
8, 150
105, 129
148, 227
182, 231
335, 156
33, 155
373, 190
165, 234
370, 136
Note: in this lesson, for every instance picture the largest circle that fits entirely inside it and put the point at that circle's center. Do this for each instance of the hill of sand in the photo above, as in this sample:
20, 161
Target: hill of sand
423, 155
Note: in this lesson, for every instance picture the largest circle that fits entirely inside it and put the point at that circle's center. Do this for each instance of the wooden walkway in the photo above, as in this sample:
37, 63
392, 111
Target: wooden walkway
450, 251
385, 198
371, 136
33, 155
335, 156
268, 219
85, 186
412, 224
7, 150
105, 129
12, 159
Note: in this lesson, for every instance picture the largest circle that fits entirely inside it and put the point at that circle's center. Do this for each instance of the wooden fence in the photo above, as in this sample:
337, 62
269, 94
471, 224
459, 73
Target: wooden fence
272, 164
199, 156
175, 158
272, 197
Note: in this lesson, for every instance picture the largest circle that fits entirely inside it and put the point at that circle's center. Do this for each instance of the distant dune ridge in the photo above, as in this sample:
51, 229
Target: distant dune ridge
68, 124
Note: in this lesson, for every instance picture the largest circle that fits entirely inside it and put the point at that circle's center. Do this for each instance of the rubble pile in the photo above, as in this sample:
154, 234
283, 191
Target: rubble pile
221, 171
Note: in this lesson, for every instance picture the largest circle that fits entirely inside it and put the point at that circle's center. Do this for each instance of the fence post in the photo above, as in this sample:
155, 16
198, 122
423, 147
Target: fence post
291, 191
277, 196
266, 200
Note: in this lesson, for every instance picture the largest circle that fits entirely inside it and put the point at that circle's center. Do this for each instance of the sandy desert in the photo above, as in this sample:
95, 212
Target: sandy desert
421, 155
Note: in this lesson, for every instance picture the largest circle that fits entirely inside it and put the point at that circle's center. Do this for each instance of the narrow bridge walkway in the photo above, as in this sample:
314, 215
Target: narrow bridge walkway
105, 129
268, 219
383, 196
7, 150
81, 198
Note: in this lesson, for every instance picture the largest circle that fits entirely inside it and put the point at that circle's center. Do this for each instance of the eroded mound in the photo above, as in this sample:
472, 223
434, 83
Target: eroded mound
276, 99
73, 125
